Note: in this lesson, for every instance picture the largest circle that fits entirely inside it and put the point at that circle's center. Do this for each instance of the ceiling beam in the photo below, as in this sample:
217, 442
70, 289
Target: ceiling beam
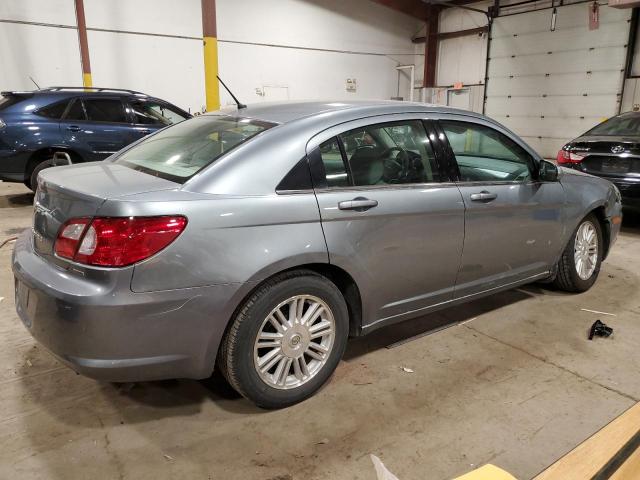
455, 34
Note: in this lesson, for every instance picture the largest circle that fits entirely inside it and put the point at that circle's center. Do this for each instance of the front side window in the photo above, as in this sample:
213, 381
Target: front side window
484, 154
182, 150
105, 110
381, 154
152, 113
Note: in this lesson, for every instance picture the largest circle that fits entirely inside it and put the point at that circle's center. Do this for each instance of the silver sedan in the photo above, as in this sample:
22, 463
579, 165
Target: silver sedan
258, 241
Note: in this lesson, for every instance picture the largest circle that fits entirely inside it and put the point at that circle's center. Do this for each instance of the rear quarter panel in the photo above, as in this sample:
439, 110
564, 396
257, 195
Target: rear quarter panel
228, 239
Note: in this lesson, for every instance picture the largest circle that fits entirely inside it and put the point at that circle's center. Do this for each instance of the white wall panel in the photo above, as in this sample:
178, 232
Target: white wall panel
305, 45
317, 74
61, 12
552, 86
168, 68
356, 25
461, 59
166, 17
455, 19
49, 55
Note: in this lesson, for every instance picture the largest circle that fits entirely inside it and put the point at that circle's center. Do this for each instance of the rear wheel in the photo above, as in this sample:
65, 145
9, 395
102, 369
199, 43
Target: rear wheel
32, 183
286, 340
580, 262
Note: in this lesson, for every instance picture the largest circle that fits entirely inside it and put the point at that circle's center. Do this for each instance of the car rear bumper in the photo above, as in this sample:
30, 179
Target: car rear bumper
109, 333
629, 190
629, 186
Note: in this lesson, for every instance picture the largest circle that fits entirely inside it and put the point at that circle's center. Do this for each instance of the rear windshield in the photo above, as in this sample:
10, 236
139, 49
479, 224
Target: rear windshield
182, 150
621, 125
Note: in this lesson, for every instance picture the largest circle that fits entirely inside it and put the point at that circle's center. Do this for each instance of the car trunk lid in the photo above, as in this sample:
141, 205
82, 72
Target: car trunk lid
609, 155
79, 191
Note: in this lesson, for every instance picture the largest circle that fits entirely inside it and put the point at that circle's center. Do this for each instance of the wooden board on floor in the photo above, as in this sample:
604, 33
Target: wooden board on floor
629, 470
584, 461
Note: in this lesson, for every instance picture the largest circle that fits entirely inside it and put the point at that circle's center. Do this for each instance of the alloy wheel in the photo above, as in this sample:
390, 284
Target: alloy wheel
585, 252
294, 342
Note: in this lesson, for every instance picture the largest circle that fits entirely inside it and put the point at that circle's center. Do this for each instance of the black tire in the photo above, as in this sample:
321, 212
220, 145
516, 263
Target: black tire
236, 360
567, 277
33, 179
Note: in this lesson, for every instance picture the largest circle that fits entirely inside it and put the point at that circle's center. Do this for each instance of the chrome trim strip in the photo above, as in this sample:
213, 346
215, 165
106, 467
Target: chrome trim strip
393, 186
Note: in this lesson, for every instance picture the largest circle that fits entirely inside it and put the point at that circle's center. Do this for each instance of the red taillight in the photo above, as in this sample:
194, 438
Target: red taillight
116, 242
566, 156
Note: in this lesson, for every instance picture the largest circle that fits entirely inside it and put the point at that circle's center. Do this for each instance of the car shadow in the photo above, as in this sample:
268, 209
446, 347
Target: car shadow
389, 336
133, 403
165, 394
16, 200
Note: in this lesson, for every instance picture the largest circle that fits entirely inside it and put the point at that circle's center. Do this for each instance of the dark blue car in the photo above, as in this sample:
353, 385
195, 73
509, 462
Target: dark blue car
59, 125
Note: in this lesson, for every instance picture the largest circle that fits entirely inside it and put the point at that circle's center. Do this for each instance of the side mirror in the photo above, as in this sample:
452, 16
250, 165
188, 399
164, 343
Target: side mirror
547, 171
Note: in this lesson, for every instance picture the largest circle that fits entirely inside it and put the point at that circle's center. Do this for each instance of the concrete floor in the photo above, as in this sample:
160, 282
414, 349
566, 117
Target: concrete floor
518, 385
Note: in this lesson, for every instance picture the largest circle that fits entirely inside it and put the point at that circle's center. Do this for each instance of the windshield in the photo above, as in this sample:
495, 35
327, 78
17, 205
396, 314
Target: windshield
621, 125
180, 151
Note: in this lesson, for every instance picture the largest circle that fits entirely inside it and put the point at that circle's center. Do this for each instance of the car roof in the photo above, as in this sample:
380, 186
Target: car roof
286, 112
67, 92
46, 96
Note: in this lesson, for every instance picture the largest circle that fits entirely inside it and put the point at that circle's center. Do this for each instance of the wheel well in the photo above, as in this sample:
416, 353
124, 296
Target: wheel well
44, 154
340, 278
606, 229
347, 285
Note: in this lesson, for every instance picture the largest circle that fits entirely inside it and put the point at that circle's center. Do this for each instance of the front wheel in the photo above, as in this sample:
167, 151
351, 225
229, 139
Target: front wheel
286, 340
580, 262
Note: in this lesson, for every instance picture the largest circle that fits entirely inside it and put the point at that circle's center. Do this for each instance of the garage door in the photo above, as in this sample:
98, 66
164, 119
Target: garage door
551, 86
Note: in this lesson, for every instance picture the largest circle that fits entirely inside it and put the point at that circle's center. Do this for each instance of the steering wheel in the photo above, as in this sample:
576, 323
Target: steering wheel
385, 153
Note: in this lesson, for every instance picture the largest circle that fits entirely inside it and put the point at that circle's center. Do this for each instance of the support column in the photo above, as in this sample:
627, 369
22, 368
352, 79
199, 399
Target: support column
431, 47
210, 40
84, 44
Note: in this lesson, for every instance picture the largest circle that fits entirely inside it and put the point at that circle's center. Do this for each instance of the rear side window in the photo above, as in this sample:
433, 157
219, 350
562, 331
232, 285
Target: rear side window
9, 101
380, 154
180, 151
54, 111
334, 167
105, 110
152, 113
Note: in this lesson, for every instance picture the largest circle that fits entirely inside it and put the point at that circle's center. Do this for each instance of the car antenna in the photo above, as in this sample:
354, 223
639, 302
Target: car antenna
238, 103
34, 82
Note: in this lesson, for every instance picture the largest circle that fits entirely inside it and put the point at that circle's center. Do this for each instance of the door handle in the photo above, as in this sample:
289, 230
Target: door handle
73, 128
359, 204
145, 131
483, 196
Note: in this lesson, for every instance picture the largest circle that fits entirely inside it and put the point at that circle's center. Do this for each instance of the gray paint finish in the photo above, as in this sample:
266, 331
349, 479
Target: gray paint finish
425, 246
